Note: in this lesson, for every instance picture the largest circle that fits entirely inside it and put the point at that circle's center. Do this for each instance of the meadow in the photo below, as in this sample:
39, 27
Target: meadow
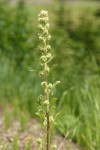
75, 31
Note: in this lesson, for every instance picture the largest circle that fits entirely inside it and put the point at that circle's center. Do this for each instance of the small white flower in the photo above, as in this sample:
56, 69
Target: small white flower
44, 13
39, 110
39, 141
45, 121
47, 25
48, 37
54, 147
49, 55
57, 82
46, 102
40, 27
41, 38
47, 69
41, 73
48, 47
44, 83
51, 119
46, 32
50, 86
43, 58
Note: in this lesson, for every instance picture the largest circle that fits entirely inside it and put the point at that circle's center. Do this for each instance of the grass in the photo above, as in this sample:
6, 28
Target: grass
79, 104
84, 105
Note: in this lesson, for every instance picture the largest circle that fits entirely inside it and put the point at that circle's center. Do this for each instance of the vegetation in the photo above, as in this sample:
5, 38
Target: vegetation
75, 39
45, 100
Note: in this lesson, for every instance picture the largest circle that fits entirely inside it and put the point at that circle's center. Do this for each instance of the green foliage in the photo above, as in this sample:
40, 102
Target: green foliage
23, 120
15, 145
78, 43
15, 30
82, 117
7, 119
28, 146
16, 86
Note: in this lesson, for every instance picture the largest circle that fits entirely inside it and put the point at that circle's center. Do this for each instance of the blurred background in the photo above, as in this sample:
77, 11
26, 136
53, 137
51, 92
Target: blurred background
75, 31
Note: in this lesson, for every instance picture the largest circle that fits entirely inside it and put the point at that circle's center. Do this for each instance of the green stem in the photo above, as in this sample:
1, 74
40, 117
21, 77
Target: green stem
48, 132
47, 116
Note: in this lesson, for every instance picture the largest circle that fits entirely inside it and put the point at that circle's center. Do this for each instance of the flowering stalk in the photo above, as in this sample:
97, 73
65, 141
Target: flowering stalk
46, 57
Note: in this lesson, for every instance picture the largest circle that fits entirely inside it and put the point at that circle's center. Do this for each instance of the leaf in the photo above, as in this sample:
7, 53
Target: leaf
53, 101
57, 114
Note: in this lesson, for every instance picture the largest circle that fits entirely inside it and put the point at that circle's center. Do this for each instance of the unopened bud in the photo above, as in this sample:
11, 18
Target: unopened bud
39, 141
43, 58
48, 37
51, 119
45, 121
48, 47
49, 55
50, 86
54, 147
57, 82
44, 83
46, 102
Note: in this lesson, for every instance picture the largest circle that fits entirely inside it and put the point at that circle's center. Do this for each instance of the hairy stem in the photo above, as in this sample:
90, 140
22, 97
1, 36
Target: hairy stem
47, 116
48, 132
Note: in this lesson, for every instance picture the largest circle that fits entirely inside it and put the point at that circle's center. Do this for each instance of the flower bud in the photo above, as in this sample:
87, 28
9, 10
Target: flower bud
46, 103
43, 13
42, 64
41, 49
50, 86
47, 25
45, 121
57, 82
47, 69
53, 147
40, 27
41, 38
46, 32
40, 97
41, 73
37, 113
51, 119
39, 141
39, 110
44, 84
48, 37
43, 58
48, 47
49, 56
43, 20
47, 90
